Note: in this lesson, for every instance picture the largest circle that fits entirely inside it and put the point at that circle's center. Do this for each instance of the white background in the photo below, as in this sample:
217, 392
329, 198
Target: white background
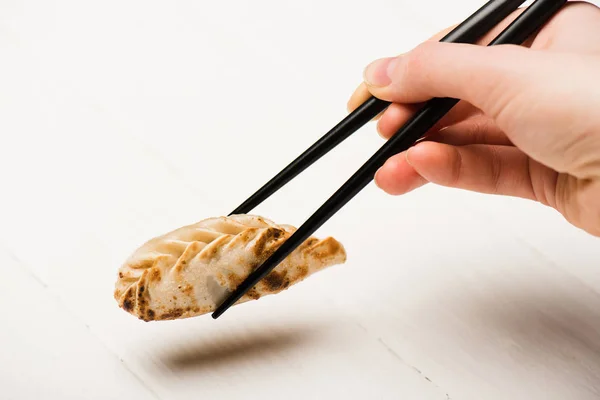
121, 120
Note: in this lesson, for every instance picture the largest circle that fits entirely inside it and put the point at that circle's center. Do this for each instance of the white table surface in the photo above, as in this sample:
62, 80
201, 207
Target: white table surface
121, 120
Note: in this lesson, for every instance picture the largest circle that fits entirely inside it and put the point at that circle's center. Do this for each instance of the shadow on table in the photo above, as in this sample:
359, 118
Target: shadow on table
549, 324
239, 348
544, 328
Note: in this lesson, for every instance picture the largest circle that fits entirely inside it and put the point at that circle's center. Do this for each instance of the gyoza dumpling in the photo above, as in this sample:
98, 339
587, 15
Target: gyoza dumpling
189, 272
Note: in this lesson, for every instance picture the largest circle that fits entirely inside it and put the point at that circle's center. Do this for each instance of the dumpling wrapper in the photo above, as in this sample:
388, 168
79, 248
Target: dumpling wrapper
189, 272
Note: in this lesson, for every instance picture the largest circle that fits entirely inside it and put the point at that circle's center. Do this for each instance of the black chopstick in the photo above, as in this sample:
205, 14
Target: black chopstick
516, 33
471, 30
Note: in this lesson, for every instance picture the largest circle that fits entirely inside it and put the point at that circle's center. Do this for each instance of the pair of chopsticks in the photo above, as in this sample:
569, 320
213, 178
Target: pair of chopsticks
470, 31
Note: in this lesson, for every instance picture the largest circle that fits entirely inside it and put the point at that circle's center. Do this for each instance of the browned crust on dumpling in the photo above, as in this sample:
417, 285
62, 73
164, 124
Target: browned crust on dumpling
182, 274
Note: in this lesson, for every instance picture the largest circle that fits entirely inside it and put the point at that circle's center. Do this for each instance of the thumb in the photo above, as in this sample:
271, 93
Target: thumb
541, 100
486, 77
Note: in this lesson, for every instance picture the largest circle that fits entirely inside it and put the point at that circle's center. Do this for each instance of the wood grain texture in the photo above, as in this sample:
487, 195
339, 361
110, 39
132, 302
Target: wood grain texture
122, 120
48, 352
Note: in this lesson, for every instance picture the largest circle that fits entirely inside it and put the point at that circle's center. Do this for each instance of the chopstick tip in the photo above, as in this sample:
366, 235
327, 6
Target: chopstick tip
217, 313
224, 306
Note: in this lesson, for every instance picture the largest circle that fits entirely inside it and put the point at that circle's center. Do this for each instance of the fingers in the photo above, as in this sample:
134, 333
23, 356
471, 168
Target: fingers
570, 29
361, 94
394, 117
397, 117
479, 129
418, 76
480, 168
488, 78
398, 177
397, 114
435, 39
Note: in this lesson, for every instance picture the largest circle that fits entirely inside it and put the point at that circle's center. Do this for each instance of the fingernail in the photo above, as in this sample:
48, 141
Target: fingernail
407, 157
375, 179
378, 130
379, 71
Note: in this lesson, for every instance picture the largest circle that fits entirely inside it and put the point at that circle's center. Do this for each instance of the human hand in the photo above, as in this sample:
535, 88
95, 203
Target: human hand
528, 124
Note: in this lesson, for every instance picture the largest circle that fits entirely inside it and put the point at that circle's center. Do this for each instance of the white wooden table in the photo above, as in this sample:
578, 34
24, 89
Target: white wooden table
121, 120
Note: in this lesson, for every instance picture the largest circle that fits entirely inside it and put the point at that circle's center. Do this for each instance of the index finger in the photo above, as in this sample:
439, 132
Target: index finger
361, 94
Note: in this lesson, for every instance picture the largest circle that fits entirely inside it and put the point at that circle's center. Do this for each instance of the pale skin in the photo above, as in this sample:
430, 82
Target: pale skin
528, 124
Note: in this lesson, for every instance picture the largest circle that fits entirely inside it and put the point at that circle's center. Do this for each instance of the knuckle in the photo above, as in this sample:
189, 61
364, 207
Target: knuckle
477, 132
480, 130
416, 61
587, 202
495, 169
576, 200
410, 72
456, 168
